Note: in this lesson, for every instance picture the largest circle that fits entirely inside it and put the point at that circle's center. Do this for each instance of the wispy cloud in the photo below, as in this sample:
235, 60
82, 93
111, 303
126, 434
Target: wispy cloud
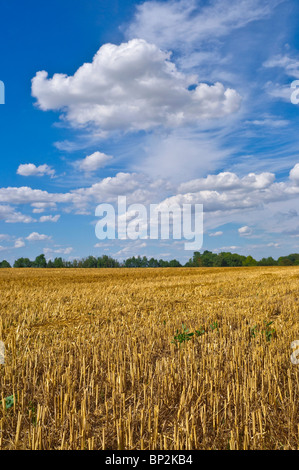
186, 24
58, 251
216, 234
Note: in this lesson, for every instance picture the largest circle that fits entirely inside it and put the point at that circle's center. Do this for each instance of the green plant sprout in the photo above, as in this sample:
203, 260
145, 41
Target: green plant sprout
182, 337
9, 401
269, 332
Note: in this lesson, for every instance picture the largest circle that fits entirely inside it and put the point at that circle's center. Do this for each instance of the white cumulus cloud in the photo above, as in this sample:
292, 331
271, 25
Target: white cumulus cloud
19, 243
36, 237
245, 231
133, 86
294, 174
49, 218
29, 169
229, 181
93, 162
10, 215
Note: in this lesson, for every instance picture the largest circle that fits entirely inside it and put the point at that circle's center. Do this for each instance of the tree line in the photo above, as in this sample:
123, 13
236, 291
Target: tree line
205, 259
227, 259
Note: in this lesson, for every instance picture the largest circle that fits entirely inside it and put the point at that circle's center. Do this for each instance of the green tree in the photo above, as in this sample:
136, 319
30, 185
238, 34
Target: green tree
23, 263
153, 263
267, 262
221, 260
233, 259
174, 264
249, 261
144, 262
5, 264
163, 264
208, 259
294, 257
90, 262
106, 261
58, 263
284, 261
40, 262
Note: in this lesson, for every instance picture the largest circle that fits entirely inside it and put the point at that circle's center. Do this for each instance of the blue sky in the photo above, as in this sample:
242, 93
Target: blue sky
170, 101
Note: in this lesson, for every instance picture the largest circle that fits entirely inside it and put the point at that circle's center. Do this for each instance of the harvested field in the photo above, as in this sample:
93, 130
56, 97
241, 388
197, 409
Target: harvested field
101, 358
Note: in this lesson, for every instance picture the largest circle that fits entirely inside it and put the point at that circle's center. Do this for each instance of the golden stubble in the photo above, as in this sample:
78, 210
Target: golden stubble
91, 363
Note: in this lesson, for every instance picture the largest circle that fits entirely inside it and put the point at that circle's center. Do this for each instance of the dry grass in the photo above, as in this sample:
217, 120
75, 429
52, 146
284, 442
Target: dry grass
90, 360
